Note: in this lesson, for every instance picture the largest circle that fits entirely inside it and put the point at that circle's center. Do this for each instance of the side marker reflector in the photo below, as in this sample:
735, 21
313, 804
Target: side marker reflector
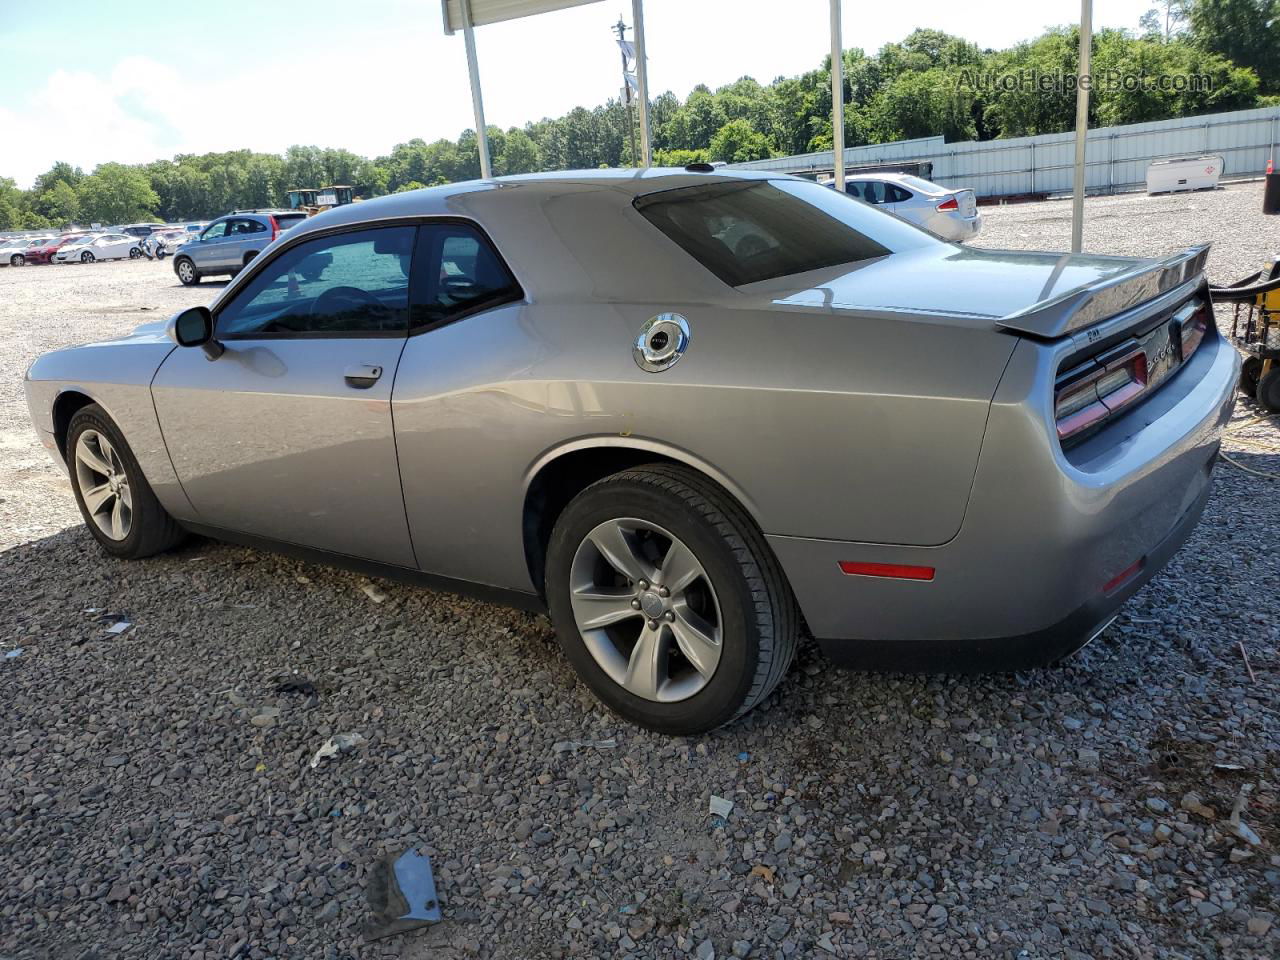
1124, 576
894, 571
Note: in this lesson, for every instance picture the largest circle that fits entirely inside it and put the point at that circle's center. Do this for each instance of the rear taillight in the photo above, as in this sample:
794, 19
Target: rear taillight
1193, 321
275, 227
1088, 394
949, 205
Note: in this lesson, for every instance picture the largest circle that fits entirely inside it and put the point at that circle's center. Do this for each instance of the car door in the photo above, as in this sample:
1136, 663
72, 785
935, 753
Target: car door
117, 246
288, 434
241, 240
206, 252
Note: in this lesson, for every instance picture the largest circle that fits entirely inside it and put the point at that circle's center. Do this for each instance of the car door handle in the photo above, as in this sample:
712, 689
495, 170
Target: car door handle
362, 376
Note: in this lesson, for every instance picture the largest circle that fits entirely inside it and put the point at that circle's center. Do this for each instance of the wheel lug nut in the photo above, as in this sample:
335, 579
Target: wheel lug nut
670, 615
653, 624
664, 592
643, 584
635, 604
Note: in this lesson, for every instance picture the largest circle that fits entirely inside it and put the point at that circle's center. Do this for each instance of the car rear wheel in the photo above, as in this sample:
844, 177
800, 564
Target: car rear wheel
186, 271
86, 257
668, 601
115, 500
134, 253
17, 260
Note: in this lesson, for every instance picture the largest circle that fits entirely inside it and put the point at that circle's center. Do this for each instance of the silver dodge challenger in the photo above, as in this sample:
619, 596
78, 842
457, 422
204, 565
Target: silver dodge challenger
691, 414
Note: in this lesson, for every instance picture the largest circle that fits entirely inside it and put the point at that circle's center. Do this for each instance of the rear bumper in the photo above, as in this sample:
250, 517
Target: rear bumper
1024, 581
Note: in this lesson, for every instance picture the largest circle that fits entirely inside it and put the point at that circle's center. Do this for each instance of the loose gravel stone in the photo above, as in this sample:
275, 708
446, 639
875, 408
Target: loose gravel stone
143, 812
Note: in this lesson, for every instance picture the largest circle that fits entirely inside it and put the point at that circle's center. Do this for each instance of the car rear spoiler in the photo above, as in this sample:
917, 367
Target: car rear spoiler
1084, 306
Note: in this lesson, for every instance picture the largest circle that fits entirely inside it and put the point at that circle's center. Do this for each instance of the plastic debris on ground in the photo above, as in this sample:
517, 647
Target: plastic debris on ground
11, 654
720, 807
116, 629
401, 895
572, 746
374, 592
338, 743
299, 685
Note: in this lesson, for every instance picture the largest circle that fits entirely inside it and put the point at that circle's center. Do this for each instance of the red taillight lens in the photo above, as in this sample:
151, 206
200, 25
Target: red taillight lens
949, 205
1091, 392
275, 227
894, 571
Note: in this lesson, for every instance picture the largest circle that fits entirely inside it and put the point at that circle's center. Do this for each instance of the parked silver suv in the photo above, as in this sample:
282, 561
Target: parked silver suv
227, 244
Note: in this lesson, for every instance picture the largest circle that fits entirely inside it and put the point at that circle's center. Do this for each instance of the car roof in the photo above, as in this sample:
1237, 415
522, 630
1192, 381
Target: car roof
626, 183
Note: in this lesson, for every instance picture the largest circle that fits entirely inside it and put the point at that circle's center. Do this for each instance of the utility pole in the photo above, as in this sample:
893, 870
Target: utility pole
1083, 82
621, 28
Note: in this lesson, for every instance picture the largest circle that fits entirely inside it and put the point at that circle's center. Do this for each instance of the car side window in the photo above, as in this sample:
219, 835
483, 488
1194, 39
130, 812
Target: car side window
873, 191
350, 284
457, 272
854, 189
897, 194
215, 232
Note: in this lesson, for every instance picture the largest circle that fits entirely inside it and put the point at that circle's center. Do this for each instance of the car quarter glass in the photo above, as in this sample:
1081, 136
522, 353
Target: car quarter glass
350, 284
456, 272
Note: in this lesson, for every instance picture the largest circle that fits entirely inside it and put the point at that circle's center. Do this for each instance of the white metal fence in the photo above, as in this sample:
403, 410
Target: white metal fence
1117, 156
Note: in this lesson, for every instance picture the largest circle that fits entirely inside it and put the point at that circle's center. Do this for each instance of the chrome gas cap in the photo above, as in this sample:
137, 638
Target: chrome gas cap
662, 341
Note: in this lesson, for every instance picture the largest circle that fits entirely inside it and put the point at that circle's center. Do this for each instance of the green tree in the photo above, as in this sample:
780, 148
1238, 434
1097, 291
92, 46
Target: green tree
1246, 32
60, 204
114, 193
738, 142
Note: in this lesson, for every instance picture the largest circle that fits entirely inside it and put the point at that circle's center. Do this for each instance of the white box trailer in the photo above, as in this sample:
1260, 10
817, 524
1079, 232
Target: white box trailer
1183, 173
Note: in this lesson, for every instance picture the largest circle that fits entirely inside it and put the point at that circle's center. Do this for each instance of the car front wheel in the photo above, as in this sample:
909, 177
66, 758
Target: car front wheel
115, 500
17, 260
668, 601
186, 271
86, 257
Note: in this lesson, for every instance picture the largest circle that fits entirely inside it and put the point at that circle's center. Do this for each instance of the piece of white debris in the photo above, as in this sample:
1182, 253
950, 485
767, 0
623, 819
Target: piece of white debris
373, 592
721, 807
338, 743
118, 628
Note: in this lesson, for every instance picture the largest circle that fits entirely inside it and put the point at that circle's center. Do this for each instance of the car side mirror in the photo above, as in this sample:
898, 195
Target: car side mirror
193, 327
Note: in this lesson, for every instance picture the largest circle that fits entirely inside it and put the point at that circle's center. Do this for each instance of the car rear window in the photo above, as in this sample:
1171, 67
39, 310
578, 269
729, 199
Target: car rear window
287, 220
744, 231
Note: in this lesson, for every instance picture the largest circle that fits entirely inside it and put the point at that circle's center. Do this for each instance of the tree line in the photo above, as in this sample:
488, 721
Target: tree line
932, 83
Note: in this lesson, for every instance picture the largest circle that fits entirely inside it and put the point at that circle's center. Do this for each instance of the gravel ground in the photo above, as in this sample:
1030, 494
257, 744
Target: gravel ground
156, 798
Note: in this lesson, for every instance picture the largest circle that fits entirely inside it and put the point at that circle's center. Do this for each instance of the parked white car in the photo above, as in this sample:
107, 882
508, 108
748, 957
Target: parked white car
108, 246
949, 214
13, 252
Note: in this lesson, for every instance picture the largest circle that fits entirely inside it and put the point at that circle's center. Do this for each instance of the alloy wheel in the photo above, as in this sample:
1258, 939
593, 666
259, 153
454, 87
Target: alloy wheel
104, 485
86, 257
646, 610
17, 260
186, 272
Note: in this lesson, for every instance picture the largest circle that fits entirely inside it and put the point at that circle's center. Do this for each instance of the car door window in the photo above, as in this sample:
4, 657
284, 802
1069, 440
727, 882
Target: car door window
854, 189
873, 191
897, 194
215, 232
351, 284
457, 272
244, 227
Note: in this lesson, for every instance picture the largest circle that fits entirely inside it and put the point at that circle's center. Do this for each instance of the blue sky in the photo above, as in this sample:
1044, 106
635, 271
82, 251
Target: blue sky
114, 80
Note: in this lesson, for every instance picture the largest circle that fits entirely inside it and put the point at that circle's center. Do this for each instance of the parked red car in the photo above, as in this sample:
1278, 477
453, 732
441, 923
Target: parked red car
45, 253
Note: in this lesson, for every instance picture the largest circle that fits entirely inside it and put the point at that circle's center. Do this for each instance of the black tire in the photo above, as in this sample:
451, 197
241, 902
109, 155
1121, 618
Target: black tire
1268, 394
17, 260
186, 271
160, 254
151, 530
87, 257
134, 253
759, 619
1250, 370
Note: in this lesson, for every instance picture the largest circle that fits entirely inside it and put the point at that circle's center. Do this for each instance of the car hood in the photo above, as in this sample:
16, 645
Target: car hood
945, 280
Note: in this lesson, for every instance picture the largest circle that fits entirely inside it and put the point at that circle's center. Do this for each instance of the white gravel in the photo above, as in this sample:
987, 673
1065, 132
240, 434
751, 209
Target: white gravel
157, 799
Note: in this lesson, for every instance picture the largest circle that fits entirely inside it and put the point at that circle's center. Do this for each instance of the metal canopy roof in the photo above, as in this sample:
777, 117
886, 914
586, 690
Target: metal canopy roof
496, 11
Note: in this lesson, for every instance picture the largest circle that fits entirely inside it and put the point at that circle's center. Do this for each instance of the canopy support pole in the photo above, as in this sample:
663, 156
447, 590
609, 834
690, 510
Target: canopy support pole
1083, 82
477, 101
642, 81
837, 96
